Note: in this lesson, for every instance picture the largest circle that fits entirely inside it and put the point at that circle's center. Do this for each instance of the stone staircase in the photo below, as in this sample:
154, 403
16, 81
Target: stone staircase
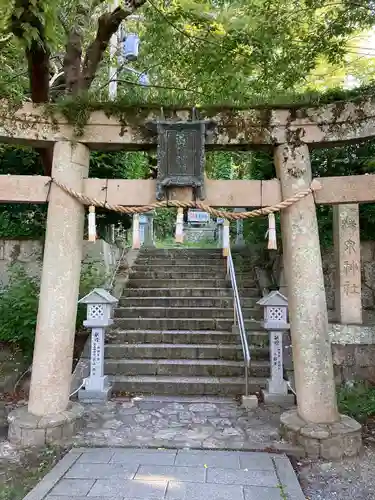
173, 328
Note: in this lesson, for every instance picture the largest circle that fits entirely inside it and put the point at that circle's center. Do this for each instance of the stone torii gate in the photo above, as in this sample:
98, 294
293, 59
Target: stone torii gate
290, 133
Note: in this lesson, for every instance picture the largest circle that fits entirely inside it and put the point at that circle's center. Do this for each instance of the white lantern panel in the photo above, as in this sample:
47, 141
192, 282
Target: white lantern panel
95, 311
276, 314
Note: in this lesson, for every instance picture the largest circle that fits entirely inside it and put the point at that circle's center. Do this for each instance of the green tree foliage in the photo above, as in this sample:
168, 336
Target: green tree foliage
229, 51
209, 50
352, 159
28, 220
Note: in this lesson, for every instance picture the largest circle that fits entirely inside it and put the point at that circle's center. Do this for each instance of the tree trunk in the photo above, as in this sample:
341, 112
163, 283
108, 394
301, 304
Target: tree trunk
78, 76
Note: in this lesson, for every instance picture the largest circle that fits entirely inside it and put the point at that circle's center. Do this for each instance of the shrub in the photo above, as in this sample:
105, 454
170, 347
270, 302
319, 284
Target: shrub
19, 304
357, 400
18, 309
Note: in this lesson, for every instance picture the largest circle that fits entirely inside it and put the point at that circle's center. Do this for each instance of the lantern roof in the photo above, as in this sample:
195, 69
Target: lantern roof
274, 298
98, 296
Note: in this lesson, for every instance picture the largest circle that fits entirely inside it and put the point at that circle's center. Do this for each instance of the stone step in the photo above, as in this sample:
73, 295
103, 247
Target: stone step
185, 367
188, 292
177, 253
187, 261
184, 265
181, 324
229, 352
185, 312
184, 302
177, 274
209, 386
257, 339
134, 282
176, 283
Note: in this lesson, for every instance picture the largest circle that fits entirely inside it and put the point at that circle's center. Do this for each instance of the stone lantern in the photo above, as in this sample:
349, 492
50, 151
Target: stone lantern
146, 230
100, 306
275, 307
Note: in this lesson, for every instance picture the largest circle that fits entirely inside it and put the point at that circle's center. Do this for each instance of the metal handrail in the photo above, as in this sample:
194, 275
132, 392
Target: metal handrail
238, 319
111, 283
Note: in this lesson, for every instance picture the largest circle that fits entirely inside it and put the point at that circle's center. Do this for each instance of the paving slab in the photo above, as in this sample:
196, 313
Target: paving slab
150, 474
183, 422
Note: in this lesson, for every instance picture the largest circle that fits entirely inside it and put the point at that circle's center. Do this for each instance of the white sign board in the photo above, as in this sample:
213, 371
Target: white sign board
198, 216
276, 384
97, 381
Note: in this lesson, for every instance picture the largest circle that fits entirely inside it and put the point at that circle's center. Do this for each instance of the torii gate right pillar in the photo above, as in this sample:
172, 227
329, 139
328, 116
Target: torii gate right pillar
316, 424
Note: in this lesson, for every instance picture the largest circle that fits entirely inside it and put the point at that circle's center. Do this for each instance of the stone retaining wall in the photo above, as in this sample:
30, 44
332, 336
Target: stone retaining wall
353, 351
354, 362
29, 253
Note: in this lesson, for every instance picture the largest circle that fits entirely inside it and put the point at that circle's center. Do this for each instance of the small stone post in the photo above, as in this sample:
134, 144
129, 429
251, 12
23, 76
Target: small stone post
143, 227
348, 297
136, 233
100, 305
226, 237
240, 242
179, 236
219, 225
276, 322
316, 424
50, 416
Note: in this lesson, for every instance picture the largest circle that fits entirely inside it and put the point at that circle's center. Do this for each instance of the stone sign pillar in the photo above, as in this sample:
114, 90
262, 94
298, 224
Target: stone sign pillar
179, 233
50, 416
226, 237
316, 424
348, 297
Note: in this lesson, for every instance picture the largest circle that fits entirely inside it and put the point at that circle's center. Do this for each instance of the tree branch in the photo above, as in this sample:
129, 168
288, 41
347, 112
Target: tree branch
108, 25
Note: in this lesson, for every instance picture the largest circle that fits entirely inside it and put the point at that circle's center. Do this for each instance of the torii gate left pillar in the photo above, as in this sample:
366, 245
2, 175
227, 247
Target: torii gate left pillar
50, 416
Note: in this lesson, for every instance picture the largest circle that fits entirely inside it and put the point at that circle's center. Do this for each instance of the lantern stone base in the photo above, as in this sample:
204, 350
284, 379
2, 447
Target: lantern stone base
280, 399
328, 441
250, 402
95, 396
26, 429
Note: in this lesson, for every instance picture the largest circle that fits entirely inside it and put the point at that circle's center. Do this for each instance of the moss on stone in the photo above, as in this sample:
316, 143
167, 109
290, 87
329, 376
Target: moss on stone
77, 110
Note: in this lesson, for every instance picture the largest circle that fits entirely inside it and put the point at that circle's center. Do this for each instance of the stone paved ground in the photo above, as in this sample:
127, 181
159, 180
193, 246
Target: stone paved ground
144, 474
348, 479
177, 423
152, 419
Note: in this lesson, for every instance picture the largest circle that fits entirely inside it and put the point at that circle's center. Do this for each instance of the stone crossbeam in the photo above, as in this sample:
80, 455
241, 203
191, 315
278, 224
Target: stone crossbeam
220, 193
237, 129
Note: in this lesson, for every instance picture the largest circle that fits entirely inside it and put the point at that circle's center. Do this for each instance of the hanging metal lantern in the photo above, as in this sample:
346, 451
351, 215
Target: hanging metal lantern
144, 80
131, 47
